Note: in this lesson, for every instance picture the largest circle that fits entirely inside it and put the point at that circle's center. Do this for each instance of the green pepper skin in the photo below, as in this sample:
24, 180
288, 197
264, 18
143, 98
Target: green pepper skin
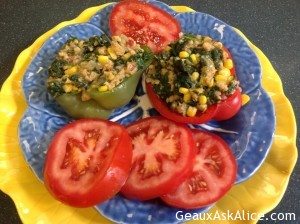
75, 107
124, 92
120, 95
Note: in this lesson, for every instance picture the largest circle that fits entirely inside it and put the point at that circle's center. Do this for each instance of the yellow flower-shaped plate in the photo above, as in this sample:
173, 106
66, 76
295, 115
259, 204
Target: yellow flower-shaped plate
259, 194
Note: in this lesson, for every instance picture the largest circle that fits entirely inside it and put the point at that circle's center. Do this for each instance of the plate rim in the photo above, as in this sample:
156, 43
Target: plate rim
92, 22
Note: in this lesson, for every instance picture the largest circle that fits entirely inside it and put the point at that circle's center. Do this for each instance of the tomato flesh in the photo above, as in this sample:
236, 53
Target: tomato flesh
145, 23
162, 152
214, 172
88, 162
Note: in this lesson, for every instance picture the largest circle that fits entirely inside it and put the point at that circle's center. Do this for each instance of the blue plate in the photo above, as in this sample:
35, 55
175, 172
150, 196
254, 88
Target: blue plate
249, 133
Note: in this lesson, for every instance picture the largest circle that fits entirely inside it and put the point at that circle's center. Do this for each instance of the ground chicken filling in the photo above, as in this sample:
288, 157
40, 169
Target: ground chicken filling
96, 62
192, 74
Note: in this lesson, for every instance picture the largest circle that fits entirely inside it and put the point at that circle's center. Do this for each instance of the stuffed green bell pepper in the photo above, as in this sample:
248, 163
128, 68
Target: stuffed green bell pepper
90, 78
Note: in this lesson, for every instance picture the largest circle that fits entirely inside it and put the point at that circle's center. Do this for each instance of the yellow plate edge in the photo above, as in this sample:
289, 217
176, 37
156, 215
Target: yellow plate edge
35, 204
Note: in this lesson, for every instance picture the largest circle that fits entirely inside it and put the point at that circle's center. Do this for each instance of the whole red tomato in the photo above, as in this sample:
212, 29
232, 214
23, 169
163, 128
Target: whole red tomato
145, 23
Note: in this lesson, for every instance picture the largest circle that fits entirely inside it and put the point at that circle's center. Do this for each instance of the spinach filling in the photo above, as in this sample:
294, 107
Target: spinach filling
55, 88
191, 73
97, 62
56, 69
164, 88
78, 81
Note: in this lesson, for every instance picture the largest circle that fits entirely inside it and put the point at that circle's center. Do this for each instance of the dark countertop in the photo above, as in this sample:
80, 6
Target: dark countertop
273, 26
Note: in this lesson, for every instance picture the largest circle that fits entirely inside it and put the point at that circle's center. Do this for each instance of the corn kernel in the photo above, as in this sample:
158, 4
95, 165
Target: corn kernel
183, 54
71, 71
221, 78
191, 111
195, 76
194, 59
112, 53
202, 107
67, 88
245, 99
202, 99
103, 59
102, 88
224, 71
228, 63
183, 90
187, 97
126, 56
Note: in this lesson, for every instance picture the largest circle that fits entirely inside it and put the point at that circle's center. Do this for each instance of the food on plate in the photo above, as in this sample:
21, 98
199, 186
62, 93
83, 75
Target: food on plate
145, 23
191, 79
91, 160
229, 107
75, 107
162, 155
87, 162
89, 78
245, 99
214, 173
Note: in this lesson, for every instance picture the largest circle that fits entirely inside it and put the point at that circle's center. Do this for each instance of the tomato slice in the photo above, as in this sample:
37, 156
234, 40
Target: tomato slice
145, 23
229, 107
165, 111
214, 172
162, 154
88, 162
